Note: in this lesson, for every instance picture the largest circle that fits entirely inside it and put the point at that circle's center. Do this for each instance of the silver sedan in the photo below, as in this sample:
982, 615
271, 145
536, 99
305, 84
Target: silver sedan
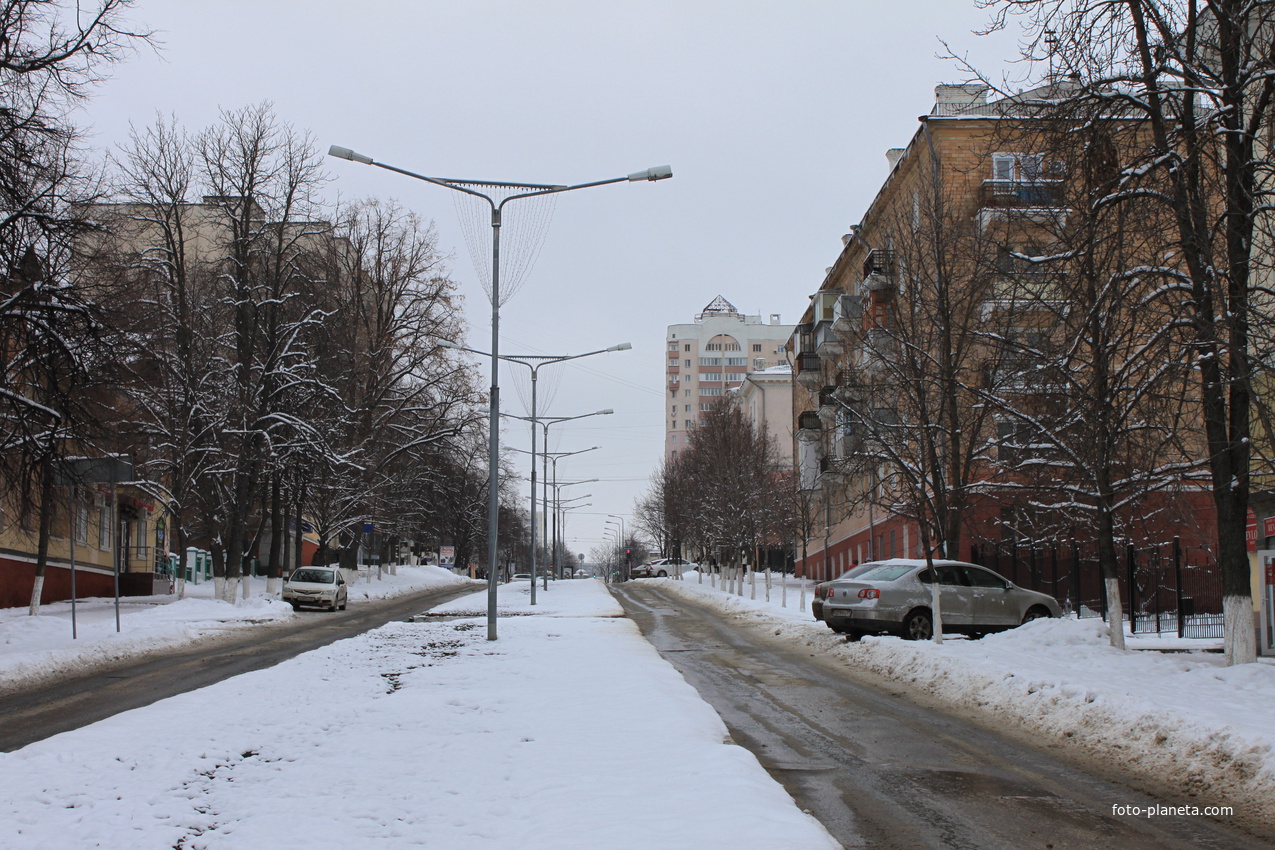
894, 597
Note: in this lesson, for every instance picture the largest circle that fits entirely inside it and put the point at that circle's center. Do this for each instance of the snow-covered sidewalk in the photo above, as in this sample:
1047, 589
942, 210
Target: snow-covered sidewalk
568, 732
33, 649
1181, 716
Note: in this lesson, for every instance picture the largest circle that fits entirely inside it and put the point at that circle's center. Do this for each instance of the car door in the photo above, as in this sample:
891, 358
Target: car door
991, 602
955, 597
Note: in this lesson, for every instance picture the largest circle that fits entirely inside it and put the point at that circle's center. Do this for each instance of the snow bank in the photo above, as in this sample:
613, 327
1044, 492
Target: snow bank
35, 649
1183, 717
568, 732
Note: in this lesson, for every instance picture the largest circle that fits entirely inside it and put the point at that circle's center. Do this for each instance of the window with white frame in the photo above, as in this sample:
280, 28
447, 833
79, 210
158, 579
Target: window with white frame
103, 523
81, 521
710, 391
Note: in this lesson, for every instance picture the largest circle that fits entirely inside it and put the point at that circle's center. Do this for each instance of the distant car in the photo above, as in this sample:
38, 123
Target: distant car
520, 577
662, 567
893, 597
322, 587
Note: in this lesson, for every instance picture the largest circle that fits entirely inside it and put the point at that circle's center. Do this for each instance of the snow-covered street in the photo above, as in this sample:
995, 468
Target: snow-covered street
569, 731
1182, 715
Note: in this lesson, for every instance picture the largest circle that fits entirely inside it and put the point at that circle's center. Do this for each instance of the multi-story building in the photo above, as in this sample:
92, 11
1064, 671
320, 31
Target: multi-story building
930, 352
712, 355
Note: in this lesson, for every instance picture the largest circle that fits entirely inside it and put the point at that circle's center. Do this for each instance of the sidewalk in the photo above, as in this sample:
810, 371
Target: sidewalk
568, 732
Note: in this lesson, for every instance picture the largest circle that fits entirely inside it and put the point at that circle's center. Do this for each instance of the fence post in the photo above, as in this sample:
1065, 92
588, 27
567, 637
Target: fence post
1177, 582
1075, 578
1133, 587
1053, 561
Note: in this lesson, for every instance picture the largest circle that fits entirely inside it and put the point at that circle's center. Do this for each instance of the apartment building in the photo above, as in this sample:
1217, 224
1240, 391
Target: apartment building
939, 306
711, 356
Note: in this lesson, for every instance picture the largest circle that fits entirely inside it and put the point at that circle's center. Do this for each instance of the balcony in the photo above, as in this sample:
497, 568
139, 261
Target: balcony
827, 343
829, 474
878, 262
1020, 194
808, 420
847, 314
1040, 201
808, 369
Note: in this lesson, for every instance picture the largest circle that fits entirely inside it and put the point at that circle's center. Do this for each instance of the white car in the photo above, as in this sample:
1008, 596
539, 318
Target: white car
322, 587
662, 567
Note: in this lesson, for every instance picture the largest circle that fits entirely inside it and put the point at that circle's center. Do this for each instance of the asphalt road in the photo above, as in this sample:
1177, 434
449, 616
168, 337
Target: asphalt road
885, 767
82, 699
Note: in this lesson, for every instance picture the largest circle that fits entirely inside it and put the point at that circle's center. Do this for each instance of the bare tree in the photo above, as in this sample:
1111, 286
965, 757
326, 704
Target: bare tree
1197, 75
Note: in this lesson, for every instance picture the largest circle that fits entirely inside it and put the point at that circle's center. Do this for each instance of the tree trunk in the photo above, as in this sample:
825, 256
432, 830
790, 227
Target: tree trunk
274, 566
45, 532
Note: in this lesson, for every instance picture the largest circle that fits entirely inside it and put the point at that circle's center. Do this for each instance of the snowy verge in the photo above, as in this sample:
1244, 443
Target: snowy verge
1184, 718
38, 649
569, 733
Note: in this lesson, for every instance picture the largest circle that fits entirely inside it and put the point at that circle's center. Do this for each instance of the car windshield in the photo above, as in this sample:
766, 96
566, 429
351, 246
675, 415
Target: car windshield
880, 572
313, 576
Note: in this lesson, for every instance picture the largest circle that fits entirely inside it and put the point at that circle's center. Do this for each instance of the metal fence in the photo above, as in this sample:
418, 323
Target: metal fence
1166, 588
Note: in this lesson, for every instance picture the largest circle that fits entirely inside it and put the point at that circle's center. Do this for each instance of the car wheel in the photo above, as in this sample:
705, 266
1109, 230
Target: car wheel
1035, 613
853, 635
343, 604
295, 606
918, 625
836, 627
662, 574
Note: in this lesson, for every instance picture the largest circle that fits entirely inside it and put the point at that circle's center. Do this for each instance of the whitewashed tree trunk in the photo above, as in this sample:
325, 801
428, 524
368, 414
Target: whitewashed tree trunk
802, 604
1115, 613
752, 584
36, 592
272, 586
243, 583
181, 583
936, 607
783, 590
1239, 642
219, 587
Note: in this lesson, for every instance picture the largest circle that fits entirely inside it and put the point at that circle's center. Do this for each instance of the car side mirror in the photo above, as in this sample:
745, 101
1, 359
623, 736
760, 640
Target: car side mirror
1009, 585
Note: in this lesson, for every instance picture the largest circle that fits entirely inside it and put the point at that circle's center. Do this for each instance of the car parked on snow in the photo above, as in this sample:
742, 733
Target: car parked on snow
322, 587
662, 567
893, 597
824, 588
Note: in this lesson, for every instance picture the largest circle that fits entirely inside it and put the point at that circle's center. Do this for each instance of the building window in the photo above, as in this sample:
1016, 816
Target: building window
688, 408
688, 364
706, 405
736, 361
710, 391
81, 522
686, 393
675, 410
673, 362
103, 523
672, 346
710, 361
688, 346
688, 424
141, 539
673, 439
713, 346
710, 376
757, 347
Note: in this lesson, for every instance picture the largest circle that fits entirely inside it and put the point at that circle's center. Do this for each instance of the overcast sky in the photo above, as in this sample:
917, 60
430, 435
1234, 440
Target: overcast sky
775, 117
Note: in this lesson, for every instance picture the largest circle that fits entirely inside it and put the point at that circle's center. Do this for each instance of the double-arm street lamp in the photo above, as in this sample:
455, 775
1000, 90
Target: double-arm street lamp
559, 508
545, 422
484, 190
534, 362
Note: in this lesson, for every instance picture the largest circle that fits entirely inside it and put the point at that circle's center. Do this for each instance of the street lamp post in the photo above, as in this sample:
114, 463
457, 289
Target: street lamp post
624, 542
546, 514
558, 501
545, 422
516, 191
534, 362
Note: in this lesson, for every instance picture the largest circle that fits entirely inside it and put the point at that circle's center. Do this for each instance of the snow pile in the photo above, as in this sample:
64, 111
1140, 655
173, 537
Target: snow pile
568, 732
34, 649
1183, 717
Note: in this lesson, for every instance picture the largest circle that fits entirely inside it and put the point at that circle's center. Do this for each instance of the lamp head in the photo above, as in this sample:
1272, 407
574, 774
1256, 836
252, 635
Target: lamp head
345, 153
447, 343
624, 346
659, 172
604, 412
